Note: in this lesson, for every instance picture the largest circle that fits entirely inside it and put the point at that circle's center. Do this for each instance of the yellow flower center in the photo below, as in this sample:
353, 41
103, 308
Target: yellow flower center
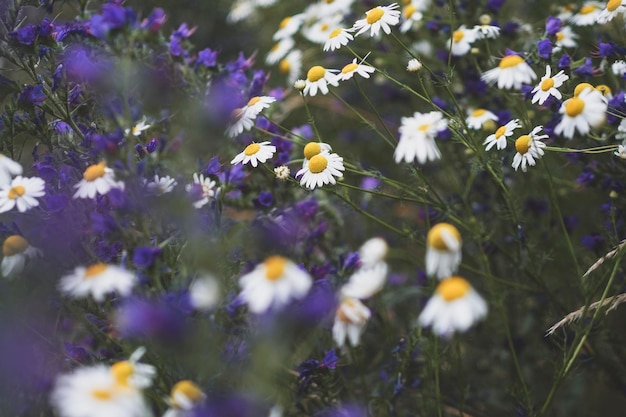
236, 114
335, 33
253, 101
581, 87
122, 371
613, 4
102, 394
94, 270
587, 9
458, 35
547, 84
424, 127
16, 192
13, 245
574, 106
324, 27
341, 311
453, 288
311, 149
435, 239
315, 73
478, 112
318, 164
275, 267
501, 131
374, 15
284, 66
188, 389
522, 144
510, 61
604, 89
349, 68
408, 11
559, 36
275, 47
252, 149
284, 22
93, 172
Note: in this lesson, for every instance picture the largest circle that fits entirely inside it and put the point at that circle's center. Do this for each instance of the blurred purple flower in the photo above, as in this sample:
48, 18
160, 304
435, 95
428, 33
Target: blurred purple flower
153, 319
553, 25
207, 57
544, 48
156, 19
144, 256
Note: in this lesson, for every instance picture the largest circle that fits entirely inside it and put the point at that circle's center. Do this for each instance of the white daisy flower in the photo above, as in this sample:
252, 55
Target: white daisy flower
462, 39
366, 281
138, 128
15, 252
273, 283
548, 86
417, 137
282, 172
443, 250
618, 68
588, 14
499, 137
132, 373
353, 68
512, 72
98, 280
207, 187
97, 179
21, 193
8, 169
621, 131
291, 65
319, 31
318, 78
455, 306
204, 293
565, 38
95, 392
487, 31
184, 396
377, 18
314, 148
243, 118
337, 38
279, 50
321, 169
350, 320
581, 113
288, 26
255, 153
529, 148
373, 251
413, 65
612, 9
411, 15
478, 117
161, 185
241, 10
621, 151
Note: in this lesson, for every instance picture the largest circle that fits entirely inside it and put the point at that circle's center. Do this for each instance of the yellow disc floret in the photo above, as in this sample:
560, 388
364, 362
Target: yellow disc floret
547, 84
311, 149
458, 35
16, 192
612, 5
95, 269
574, 106
187, 389
93, 172
435, 238
284, 22
501, 131
252, 149
522, 144
510, 61
581, 87
335, 33
275, 267
318, 164
253, 101
122, 371
408, 11
349, 68
315, 73
453, 288
13, 245
374, 15
478, 112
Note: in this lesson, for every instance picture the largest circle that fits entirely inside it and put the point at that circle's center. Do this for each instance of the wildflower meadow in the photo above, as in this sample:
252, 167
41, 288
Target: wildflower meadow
332, 208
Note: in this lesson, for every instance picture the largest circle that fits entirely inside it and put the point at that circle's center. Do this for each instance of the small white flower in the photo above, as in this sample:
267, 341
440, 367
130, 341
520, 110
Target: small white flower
319, 31
529, 149
161, 185
288, 26
279, 50
8, 169
98, 280
318, 78
16, 251
612, 9
184, 396
337, 38
443, 250
273, 283
417, 137
413, 65
581, 113
207, 187
282, 172
487, 31
21, 193
621, 151
350, 320
138, 128
321, 169
291, 65
411, 16
565, 38
299, 85
255, 153
379, 17
588, 14
97, 179
619, 68
204, 293
243, 118
511, 72
366, 281
353, 68
478, 117
462, 39
455, 306
548, 86
499, 137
